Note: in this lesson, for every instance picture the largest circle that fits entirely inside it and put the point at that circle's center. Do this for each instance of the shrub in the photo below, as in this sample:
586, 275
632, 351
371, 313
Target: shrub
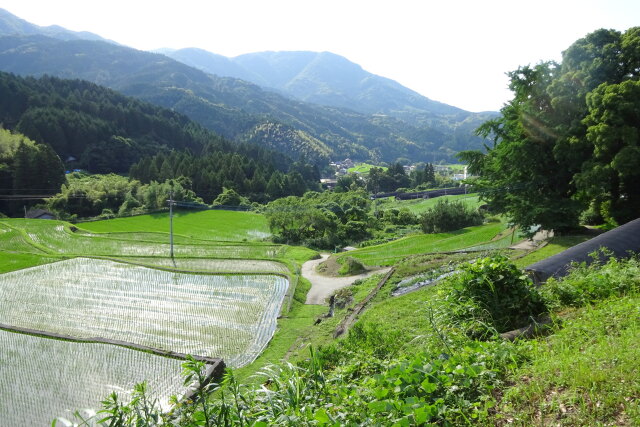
587, 284
492, 295
399, 217
229, 197
351, 266
592, 215
343, 297
107, 214
449, 216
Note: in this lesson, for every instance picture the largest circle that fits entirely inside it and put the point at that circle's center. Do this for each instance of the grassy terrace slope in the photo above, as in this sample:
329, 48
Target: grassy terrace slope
204, 225
418, 206
470, 237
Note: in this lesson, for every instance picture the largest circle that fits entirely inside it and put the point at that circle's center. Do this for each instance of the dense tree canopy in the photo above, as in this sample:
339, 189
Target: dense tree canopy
27, 169
93, 195
569, 137
252, 172
381, 180
321, 219
102, 130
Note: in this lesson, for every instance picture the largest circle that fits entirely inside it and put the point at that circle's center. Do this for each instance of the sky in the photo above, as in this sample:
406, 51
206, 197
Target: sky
452, 51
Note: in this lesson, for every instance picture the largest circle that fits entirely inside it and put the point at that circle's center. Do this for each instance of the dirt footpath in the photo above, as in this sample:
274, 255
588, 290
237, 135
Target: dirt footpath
323, 286
534, 242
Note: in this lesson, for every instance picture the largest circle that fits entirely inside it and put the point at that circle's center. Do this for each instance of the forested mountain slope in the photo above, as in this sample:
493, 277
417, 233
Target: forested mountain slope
52, 125
99, 129
332, 80
235, 108
324, 78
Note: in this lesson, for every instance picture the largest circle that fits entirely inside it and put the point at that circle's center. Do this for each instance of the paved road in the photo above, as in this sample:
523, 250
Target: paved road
323, 286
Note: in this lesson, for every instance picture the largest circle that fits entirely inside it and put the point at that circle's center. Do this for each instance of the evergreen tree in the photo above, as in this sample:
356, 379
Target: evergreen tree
568, 138
429, 173
23, 169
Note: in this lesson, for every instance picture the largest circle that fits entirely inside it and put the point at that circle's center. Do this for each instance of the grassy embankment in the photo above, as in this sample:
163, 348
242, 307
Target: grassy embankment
396, 250
418, 206
584, 372
555, 245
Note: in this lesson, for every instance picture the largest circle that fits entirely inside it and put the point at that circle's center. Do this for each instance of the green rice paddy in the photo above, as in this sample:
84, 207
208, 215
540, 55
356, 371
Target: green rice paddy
217, 225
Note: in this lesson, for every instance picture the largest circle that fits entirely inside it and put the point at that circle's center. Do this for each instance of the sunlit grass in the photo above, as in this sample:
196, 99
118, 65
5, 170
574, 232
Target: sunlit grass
556, 245
587, 373
418, 206
208, 225
389, 253
364, 168
57, 238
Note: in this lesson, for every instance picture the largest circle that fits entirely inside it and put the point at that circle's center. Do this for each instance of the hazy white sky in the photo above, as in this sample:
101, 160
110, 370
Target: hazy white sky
453, 51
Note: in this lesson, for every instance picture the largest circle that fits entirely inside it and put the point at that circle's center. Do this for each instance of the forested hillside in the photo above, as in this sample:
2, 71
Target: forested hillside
240, 110
26, 168
323, 78
69, 124
93, 127
249, 172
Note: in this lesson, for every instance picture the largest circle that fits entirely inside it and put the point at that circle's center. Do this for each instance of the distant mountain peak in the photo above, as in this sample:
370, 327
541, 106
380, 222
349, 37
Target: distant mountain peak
11, 25
323, 78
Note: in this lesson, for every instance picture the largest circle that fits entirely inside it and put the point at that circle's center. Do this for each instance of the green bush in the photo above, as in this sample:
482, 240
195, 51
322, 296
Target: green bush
587, 284
492, 295
399, 217
351, 266
449, 216
592, 215
107, 214
229, 197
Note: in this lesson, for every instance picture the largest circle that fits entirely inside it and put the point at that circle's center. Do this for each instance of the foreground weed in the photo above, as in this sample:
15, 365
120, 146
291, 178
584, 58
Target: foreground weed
490, 296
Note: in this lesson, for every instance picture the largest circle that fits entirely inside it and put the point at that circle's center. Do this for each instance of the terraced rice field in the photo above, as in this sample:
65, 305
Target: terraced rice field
56, 237
219, 297
42, 379
207, 225
227, 316
232, 317
211, 265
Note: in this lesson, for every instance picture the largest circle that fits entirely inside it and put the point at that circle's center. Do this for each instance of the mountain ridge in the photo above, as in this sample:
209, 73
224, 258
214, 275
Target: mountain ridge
13, 25
320, 77
241, 110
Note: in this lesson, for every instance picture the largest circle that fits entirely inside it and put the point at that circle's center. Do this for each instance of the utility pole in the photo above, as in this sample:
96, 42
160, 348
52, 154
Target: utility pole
171, 203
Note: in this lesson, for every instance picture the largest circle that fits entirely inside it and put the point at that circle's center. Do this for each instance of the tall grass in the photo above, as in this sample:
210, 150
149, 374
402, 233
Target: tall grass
586, 373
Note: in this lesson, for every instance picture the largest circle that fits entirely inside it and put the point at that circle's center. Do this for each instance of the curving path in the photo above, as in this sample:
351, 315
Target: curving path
323, 286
